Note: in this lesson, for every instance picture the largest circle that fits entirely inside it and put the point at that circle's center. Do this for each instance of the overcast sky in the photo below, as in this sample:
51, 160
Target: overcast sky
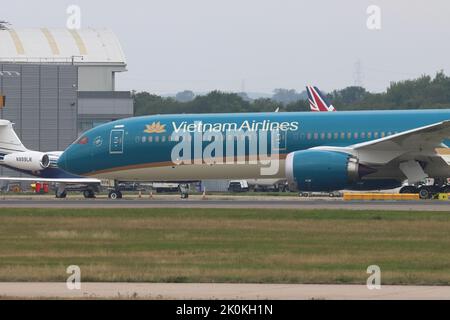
259, 45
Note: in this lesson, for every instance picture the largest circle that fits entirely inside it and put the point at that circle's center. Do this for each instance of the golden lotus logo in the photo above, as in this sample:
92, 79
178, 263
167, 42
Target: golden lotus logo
155, 127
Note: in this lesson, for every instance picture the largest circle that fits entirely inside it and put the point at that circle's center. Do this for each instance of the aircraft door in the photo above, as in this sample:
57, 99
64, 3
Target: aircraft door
280, 140
116, 141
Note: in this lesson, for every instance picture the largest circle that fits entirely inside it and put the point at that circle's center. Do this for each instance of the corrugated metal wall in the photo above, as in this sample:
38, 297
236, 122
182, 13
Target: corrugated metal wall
215, 185
42, 102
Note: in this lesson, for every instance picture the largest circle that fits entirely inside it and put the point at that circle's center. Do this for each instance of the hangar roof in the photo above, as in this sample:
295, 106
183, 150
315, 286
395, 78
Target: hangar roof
45, 45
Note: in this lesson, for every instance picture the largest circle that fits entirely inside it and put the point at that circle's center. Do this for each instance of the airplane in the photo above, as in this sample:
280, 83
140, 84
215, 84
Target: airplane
42, 165
317, 100
317, 151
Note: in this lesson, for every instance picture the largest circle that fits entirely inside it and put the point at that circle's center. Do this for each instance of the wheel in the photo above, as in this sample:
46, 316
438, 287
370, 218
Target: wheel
88, 194
304, 194
61, 195
113, 194
408, 189
424, 193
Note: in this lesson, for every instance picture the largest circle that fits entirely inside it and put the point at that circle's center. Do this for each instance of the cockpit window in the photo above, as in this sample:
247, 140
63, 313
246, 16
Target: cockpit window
82, 140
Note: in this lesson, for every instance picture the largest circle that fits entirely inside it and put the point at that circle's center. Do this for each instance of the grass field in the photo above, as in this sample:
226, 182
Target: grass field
224, 245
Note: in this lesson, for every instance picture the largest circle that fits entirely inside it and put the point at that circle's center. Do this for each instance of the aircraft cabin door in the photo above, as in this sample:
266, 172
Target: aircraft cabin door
280, 140
116, 141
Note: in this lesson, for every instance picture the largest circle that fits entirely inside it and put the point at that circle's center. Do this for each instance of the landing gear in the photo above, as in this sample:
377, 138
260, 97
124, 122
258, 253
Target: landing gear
428, 192
61, 192
60, 195
89, 194
424, 193
115, 194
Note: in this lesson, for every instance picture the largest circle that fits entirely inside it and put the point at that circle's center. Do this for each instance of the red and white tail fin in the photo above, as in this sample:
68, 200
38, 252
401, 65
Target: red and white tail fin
317, 101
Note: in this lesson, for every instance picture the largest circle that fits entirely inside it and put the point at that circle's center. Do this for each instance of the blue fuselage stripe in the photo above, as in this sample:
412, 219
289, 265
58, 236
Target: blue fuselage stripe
106, 148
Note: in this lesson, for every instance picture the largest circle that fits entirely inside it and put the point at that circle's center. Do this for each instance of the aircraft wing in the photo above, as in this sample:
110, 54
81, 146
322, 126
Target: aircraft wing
62, 180
421, 141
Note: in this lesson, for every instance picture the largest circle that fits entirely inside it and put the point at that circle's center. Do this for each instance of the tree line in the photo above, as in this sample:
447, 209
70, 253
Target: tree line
421, 93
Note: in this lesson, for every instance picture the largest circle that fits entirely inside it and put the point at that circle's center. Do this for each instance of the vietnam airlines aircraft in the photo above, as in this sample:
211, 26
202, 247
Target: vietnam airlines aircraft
317, 100
314, 151
42, 165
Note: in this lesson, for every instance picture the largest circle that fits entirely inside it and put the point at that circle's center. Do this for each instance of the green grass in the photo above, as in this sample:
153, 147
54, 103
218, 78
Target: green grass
225, 245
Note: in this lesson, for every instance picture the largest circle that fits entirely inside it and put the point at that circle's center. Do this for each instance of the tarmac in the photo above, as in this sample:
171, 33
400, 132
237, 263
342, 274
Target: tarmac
238, 202
199, 291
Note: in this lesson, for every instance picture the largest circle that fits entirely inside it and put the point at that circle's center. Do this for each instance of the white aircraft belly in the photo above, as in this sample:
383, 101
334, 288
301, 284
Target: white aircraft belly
193, 172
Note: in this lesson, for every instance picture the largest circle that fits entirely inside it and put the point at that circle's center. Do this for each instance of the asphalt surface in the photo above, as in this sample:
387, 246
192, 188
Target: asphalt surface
219, 291
249, 202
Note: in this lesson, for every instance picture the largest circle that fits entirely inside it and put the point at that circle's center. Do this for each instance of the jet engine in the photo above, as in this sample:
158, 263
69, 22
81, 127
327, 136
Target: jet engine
28, 160
320, 170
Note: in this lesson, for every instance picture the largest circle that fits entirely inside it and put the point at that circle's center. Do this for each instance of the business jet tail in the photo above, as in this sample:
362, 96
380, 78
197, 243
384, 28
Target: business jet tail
9, 141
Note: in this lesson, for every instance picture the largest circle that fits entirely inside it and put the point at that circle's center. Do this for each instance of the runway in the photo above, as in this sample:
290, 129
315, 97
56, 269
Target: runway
238, 203
220, 291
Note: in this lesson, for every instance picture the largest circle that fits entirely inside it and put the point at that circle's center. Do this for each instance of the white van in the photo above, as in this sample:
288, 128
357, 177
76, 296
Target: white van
238, 186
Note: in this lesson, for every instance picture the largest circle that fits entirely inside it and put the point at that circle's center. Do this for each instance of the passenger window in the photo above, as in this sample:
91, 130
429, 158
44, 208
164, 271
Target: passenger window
308, 136
322, 136
342, 135
336, 136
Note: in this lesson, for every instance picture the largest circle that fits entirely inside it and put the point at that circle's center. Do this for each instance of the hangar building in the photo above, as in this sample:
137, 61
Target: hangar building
59, 83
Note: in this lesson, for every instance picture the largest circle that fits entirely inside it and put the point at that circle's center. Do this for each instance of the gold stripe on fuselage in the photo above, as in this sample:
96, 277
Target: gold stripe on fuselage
166, 164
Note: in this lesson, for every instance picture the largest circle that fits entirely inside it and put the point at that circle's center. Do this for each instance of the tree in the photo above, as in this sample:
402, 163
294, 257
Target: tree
4, 25
185, 96
349, 95
423, 92
286, 96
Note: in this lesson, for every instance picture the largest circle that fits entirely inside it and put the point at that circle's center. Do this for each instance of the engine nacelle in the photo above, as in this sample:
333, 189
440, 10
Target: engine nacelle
29, 160
320, 170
